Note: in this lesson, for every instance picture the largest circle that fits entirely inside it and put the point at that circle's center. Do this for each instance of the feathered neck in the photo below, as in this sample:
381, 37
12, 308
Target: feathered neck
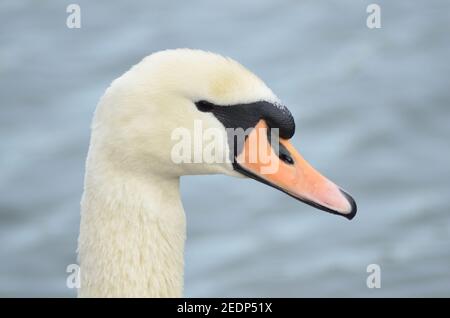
132, 233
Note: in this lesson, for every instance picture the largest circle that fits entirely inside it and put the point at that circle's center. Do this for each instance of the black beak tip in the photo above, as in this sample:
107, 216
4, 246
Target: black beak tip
352, 202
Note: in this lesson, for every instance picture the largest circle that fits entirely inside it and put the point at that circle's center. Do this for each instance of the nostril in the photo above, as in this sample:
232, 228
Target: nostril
286, 158
284, 154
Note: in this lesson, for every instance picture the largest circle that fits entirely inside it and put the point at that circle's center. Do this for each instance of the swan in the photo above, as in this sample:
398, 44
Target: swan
133, 227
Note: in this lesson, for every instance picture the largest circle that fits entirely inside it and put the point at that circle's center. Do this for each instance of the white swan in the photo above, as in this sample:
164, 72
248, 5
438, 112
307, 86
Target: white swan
132, 230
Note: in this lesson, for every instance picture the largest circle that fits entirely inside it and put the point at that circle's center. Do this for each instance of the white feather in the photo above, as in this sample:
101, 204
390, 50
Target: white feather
132, 230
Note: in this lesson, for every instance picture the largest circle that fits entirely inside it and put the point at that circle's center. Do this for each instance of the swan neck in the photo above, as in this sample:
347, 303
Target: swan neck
132, 234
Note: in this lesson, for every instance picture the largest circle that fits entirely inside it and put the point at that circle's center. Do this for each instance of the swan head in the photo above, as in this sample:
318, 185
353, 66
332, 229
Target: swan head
183, 111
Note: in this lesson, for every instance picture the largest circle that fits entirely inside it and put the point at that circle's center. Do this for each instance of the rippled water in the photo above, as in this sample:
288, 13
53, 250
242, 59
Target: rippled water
372, 111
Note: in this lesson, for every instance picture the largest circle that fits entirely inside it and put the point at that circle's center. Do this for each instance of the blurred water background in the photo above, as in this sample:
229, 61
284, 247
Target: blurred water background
372, 111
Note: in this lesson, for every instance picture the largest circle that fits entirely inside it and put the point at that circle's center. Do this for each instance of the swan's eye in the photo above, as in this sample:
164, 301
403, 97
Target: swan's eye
204, 106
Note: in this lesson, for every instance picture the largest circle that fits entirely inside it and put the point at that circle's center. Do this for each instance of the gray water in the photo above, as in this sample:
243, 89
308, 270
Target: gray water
372, 112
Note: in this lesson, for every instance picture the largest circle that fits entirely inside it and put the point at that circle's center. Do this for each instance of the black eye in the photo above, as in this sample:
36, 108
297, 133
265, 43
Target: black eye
204, 106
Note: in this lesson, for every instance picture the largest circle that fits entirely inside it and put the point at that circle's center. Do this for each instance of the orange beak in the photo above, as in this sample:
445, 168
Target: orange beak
285, 169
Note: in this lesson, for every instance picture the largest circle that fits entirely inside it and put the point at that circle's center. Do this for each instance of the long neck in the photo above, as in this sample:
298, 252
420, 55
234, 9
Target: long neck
132, 234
